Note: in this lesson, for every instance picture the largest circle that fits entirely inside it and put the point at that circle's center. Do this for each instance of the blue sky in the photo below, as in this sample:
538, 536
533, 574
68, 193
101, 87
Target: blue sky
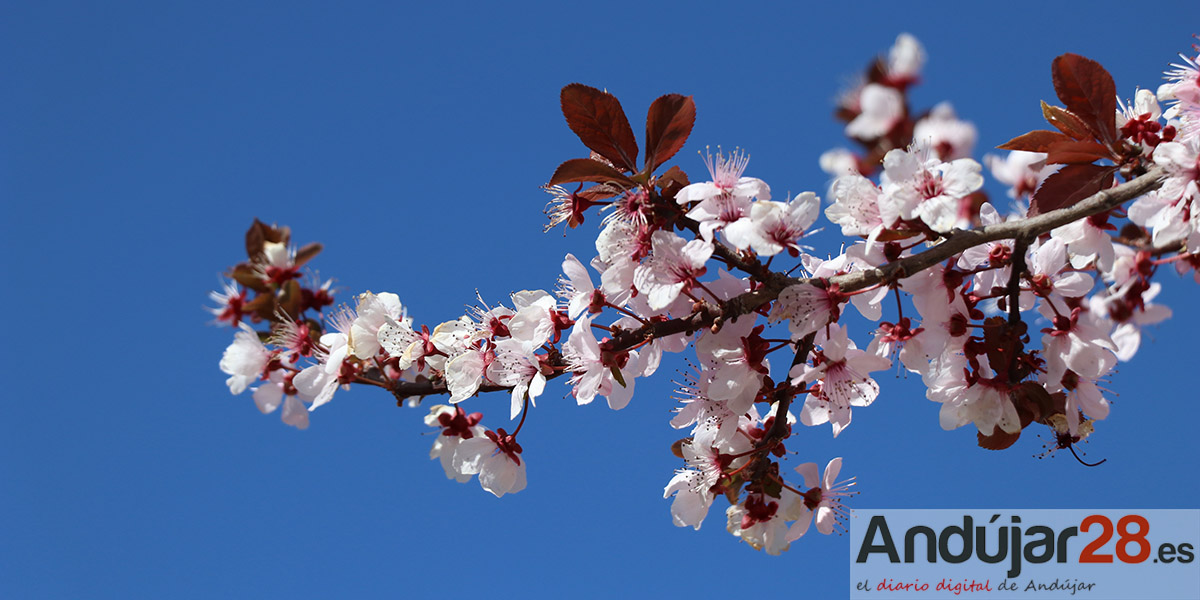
141, 139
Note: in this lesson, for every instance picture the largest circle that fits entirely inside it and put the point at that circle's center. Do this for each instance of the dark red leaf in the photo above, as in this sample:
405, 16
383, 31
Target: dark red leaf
1068, 186
1035, 141
263, 305
579, 170
307, 253
671, 182
1066, 122
600, 122
260, 233
668, 125
999, 440
1033, 402
597, 193
677, 447
291, 301
249, 277
1088, 91
1000, 343
1072, 152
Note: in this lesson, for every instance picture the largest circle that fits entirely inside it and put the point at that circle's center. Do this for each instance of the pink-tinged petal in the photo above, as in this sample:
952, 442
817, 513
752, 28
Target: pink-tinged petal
881, 107
825, 519
268, 397
697, 252
536, 386
1128, 338
470, 454
751, 187
800, 526
811, 474
951, 417
464, 374
519, 482
1091, 401
869, 303
1074, 284
743, 233
806, 306
1009, 421
621, 395
831, 472
577, 274
294, 413
588, 386
697, 192
518, 399
814, 412
314, 382
498, 474
867, 363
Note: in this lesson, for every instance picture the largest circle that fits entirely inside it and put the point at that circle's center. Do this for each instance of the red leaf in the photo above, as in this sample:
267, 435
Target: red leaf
263, 305
597, 118
1068, 186
259, 233
578, 170
1088, 91
1072, 152
249, 277
1033, 402
999, 440
671, 182
307, 253
1034, 141
668, 124
1066, 122
291, 301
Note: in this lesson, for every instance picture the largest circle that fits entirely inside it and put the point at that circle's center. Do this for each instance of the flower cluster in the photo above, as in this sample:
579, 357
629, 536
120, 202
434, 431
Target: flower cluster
1009, 321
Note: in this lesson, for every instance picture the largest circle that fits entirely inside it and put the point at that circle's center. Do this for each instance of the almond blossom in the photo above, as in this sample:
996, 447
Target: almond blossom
455, 426
906, 202
673, 267
761, 521
928, 189
496, 458
773, 227
727, 181
841, 370
244, 360
823, 500
277, 391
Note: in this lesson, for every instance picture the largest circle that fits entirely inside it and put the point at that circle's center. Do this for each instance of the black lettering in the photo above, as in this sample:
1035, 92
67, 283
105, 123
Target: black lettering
965, 533
878, 524
1166, 553
1063, 536
910, 539
1047, 540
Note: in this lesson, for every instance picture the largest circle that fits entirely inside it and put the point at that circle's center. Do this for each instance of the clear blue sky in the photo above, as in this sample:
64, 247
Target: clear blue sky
139, 141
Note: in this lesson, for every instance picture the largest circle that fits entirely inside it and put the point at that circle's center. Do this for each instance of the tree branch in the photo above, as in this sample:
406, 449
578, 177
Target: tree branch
708, 315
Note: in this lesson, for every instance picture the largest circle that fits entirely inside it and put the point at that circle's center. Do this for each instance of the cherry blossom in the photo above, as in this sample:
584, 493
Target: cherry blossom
279, 390
963, 316
673, 267
727, 181
841, 370
823, 500
244, 360
496, 458
455, 426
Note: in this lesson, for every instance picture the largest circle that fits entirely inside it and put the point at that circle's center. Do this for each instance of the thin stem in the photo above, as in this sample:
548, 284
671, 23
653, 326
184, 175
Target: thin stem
783, 483
524, 411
